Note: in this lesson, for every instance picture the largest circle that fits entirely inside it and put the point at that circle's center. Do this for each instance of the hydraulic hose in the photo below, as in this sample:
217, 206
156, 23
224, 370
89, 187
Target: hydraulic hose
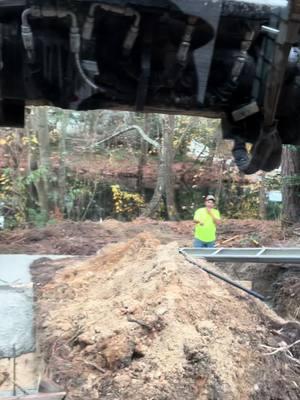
28, 41
223, 278
133, 32
24, 16
27, 35
86, 79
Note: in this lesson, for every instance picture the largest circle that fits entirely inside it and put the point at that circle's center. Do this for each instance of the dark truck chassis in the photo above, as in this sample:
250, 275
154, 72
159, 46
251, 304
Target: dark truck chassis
227, 59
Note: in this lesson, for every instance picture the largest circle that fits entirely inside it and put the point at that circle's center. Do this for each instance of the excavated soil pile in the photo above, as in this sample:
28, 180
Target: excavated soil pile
139, 322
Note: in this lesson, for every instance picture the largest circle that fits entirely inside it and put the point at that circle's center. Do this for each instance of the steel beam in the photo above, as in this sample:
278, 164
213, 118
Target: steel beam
282, 255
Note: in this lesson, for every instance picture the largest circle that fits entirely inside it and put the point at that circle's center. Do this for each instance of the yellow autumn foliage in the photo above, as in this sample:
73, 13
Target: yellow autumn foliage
125, 203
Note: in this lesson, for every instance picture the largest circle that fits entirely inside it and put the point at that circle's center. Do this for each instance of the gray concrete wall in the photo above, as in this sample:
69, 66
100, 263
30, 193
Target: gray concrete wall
16, 305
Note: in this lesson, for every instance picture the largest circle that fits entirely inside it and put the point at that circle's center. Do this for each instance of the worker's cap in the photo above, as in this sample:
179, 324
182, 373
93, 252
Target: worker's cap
210, 197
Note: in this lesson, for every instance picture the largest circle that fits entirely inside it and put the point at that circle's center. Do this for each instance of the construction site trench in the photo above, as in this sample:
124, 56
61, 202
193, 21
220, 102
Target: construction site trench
134, 319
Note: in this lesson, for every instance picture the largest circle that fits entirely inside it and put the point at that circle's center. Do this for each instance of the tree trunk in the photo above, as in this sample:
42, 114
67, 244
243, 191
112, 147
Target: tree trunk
153, 206
143, 154
290, 185
220, 181
42, 185
32, 160
168, 157
165, 180
62, 165
262, 198
95, 125
213, 148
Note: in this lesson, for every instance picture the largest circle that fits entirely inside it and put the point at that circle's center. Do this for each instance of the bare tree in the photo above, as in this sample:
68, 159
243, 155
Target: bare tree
168, 156
291, 185
165, 179
262, 197
143, 153
62, 163
39, 159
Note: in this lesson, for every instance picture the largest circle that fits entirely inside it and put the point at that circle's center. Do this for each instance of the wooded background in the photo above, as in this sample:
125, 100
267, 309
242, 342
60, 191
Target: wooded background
40, 182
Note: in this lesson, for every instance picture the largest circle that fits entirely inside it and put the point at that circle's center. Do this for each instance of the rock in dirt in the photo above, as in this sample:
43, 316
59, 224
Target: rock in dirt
138, 322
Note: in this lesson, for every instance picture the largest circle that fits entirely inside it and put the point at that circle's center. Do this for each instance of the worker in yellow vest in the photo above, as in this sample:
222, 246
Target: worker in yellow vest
206, 218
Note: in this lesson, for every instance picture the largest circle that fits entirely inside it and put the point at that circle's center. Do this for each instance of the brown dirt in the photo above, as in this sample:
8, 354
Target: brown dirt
86, 238
128, 318
137, 321
287, 296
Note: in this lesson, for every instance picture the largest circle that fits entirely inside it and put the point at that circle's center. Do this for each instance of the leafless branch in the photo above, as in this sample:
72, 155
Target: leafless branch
284, 349
139, 322
138, 129
278, 349
93, 365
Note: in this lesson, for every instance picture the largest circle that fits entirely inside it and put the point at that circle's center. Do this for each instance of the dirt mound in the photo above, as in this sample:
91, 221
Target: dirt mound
250, 233
138, 322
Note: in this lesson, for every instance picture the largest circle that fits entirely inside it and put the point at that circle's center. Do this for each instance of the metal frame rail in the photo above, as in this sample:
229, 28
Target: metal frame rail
282, 255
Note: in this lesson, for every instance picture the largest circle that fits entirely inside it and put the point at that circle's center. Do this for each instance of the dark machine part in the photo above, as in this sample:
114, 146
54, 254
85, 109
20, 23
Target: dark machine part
12, 96
273, 66
214, 58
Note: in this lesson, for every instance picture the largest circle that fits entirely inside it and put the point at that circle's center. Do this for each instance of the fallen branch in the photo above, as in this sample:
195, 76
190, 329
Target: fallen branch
230, 239
124, 130
90, 364
73, 339
140, 322
284, 349
278, 349
293, 359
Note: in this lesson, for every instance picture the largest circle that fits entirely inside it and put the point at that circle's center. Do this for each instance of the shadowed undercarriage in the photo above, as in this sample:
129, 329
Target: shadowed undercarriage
233, 60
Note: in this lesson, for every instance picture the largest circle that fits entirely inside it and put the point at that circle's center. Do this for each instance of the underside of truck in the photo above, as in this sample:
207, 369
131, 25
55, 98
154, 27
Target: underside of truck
209, 58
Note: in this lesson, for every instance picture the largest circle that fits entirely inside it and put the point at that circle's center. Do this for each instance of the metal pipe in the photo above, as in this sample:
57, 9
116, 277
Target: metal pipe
223, 278
69, 14
185, 44
74, 42
242, 57
75, 49
127, 12
52, 13
87, 80
27, 35
269, 29
25, 16
14, 371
